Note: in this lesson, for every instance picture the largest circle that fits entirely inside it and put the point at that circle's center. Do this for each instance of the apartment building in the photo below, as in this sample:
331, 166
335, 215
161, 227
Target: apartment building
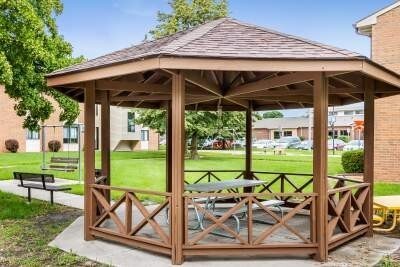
126, 135
383, 28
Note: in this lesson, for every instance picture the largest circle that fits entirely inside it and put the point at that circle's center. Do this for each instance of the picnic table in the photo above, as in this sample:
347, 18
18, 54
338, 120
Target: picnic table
387, 205
210, 202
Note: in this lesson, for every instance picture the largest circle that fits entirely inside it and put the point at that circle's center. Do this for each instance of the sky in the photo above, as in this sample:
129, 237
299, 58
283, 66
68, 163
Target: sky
97, 27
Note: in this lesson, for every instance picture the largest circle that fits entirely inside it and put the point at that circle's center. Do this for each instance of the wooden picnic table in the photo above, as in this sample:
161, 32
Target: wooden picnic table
222, 185
388, 204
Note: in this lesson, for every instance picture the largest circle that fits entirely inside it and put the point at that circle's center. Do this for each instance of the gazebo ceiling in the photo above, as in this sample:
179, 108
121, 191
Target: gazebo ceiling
228, 64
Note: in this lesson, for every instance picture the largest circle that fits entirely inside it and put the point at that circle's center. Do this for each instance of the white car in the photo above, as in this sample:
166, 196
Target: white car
263, 144
354, 145
339, 144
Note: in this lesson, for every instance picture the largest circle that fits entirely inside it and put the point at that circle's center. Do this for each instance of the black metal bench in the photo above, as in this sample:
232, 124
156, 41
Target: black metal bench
39, 181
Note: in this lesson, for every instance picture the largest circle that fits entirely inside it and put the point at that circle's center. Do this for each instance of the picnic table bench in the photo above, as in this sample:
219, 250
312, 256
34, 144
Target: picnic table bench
39, 181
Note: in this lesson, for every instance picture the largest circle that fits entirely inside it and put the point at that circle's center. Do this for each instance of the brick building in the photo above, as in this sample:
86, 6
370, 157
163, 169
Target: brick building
383, 27
125, 134
299, 126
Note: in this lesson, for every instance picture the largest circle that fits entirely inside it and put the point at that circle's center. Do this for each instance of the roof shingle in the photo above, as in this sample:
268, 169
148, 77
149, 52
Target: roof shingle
223, 38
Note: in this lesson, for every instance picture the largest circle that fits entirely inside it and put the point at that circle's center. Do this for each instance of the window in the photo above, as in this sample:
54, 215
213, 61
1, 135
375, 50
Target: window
344, 132
131, 122
348, 112
144, 135
330, 133
70, 135
287, 133
360, 111
277, 135
32, 135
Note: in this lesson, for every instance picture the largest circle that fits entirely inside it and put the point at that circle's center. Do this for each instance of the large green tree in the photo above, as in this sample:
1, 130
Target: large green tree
186, 14
30, 47
272, 114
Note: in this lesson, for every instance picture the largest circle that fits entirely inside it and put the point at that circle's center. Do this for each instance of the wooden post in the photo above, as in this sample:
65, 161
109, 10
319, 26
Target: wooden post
320, 162
105, 139
177, 164
249, 139
89, 158
169, 148
369, 135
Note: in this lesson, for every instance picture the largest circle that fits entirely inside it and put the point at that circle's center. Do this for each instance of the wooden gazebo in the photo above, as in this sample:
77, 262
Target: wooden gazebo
230, 65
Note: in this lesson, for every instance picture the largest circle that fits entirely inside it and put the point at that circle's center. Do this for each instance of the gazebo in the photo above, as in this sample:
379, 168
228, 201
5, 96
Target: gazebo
231, 66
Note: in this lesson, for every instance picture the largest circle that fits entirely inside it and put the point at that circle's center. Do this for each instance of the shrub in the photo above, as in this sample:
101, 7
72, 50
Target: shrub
353, 161
12, 145
54, 145
344, 138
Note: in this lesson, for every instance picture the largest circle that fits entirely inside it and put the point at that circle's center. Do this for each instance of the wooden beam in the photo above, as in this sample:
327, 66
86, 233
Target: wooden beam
177, 166
152, 97
248, 147
133, 87
270, 83
105, 139
196, 78
240, 102
332, 91
320, 163
169, 148
369, 136
89, 159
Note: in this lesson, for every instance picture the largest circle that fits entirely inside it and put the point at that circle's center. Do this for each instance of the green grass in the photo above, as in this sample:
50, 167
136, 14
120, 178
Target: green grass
146, 170
26, 229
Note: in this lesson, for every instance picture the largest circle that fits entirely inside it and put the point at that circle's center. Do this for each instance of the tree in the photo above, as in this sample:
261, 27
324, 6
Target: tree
188, 13
30, 47
198, 125
272, 114
184, 15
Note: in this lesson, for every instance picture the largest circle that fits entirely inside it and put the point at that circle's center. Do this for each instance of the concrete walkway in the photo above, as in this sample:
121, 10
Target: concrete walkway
362, 252
67, 199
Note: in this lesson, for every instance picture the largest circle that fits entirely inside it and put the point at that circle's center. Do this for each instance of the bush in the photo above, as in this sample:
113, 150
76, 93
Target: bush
12, 145
353, 161
344, 138
54, 145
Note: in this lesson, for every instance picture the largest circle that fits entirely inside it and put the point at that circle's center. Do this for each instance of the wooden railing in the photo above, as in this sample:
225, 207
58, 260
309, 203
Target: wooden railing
346, 206
263, 239
129, 221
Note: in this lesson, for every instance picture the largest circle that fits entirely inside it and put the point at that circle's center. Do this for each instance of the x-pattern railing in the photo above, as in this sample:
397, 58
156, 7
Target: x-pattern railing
130, 202
346, 209
247, 201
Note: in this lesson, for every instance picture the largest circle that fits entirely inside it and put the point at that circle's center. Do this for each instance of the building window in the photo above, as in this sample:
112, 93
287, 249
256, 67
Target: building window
359, 111
344, 132
348, 112
32, 135
330, 134
70, 135
287, 133
131, 122
144, 135
277, 135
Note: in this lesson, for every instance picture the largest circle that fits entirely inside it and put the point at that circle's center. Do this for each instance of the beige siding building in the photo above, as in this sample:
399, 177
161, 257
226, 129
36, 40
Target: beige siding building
125, 135
383, 27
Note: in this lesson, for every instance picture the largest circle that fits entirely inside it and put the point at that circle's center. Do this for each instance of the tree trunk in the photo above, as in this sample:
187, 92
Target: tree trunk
194, 154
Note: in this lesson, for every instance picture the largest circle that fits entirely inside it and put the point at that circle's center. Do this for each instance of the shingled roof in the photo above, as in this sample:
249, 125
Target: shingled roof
223, 38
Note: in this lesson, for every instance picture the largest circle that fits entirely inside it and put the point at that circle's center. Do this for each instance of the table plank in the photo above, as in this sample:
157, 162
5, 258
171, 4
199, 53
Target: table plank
388, 202
222, 185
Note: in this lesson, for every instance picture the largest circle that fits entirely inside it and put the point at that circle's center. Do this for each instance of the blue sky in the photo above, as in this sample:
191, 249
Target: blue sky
96, 27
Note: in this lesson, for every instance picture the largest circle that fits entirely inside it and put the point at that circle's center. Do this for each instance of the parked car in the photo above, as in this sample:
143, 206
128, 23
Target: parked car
354, 145
339, 144
263, 144
288, 142
305, 145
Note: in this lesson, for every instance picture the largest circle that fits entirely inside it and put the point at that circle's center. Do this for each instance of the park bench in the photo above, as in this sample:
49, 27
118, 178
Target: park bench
39, 181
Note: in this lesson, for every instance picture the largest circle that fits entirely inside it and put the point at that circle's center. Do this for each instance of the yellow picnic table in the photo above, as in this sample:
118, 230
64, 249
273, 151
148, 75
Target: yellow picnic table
386, 205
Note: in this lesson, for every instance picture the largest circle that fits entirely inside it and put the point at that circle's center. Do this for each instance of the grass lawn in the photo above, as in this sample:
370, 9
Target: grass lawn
147, 169
26, 229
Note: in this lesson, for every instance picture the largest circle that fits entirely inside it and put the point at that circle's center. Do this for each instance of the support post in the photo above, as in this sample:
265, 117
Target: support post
169, 148
249, 139
105, 140
89, 158
369, 135
177, 164
320, 162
